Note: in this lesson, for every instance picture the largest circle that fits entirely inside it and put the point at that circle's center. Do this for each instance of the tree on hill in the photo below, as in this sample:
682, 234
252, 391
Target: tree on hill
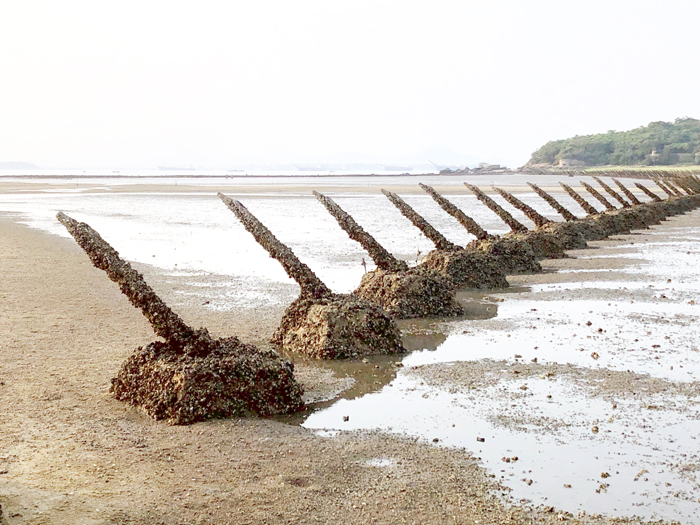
659, 143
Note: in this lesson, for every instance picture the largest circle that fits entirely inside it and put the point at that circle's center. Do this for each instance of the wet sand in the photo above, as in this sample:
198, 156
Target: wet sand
282, 186
69, 453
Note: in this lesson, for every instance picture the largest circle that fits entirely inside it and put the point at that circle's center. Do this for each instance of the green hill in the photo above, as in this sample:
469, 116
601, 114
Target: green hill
659, 143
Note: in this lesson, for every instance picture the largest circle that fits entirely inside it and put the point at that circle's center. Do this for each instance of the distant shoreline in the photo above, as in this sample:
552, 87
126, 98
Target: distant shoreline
200, 176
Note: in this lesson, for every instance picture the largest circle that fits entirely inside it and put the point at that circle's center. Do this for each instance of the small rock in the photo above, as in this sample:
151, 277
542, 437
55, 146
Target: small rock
480, 439
567, 486
594, 429
346, 418
604, 475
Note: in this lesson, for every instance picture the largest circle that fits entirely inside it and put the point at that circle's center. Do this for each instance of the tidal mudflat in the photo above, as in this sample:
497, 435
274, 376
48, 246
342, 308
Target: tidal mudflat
616, 437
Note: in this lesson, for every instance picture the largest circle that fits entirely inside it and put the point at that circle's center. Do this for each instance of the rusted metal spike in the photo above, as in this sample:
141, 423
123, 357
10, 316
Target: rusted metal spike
633, 199
506, 217
612, 193
464, 219
590, 210
166, 323
649, 193
553, 203
598, 196
419, 222
297, 270
530, 212
381, 257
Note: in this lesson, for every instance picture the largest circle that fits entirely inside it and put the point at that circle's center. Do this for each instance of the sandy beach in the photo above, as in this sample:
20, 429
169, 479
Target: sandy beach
69, 453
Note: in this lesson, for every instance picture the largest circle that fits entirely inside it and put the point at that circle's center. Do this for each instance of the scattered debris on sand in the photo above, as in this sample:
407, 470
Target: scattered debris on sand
320, 323
190, 376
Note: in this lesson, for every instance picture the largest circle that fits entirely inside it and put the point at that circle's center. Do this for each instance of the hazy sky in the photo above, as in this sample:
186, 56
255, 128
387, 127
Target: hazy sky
219, 83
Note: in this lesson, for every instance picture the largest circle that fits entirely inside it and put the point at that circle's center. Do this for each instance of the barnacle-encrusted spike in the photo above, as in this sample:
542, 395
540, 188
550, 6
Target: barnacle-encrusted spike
529, 211
166, 323
439, 240
612, 193
381, 257
296, 269
553, 202
506, 217
464, 219
598, 196
590, 210
649, 193
631, 196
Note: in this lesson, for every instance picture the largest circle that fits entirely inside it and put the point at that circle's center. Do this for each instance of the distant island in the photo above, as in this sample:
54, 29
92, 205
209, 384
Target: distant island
658, 144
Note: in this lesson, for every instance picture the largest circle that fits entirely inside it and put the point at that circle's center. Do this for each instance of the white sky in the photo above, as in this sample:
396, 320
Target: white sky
219, 83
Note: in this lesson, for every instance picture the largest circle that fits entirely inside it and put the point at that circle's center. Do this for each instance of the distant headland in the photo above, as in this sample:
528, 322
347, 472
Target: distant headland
658, 144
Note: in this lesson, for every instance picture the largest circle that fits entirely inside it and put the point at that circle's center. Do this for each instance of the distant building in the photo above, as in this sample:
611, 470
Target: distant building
489, 167
571, 163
